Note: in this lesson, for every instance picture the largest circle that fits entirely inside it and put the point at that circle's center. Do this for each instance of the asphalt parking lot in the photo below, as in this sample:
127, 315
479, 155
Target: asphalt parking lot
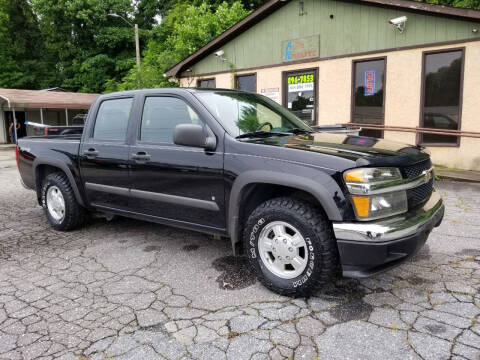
127, 289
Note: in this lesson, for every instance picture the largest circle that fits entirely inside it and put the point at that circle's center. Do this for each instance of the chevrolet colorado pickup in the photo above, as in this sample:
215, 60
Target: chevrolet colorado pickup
301, 205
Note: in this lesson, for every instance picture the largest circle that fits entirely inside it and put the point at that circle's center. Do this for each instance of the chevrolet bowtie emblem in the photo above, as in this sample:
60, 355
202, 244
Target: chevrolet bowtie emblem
428, 175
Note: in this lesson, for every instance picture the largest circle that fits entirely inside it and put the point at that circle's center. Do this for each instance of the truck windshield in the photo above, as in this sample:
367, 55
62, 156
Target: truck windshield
244, 113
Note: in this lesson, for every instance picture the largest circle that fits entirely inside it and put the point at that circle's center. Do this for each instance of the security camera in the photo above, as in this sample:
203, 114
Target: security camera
399, 23
220, 54
399, 20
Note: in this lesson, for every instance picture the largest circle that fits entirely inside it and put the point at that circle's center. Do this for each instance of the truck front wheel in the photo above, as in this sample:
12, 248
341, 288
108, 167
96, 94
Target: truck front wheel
291, 246
61, 208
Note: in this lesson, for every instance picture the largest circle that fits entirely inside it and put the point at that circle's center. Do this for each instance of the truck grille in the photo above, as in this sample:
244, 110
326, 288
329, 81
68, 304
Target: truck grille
413, 171
420, 194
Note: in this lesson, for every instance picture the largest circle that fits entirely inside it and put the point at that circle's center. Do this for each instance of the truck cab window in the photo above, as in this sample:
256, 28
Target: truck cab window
112, 119
161, 115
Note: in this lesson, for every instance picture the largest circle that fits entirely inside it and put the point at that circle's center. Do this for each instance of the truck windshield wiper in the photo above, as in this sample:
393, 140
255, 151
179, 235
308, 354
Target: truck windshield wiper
262, 134
300, 131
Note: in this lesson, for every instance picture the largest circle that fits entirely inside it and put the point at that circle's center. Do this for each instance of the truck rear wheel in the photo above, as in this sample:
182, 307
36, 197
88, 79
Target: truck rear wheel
58, 199
291, 246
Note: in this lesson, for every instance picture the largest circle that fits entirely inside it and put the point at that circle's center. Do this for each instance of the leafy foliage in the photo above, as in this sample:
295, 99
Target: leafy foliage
22, 50
85, 45
184, 30
471, 4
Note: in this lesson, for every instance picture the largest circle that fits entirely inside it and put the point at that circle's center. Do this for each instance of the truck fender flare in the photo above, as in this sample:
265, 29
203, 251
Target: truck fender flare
63, 167
315, 187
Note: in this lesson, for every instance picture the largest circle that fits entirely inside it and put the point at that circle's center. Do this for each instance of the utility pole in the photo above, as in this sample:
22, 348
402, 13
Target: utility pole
137, 44
137, 47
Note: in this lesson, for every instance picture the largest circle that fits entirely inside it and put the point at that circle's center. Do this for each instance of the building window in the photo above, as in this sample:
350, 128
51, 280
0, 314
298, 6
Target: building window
246, 82
206, 83
368, 95
442, 95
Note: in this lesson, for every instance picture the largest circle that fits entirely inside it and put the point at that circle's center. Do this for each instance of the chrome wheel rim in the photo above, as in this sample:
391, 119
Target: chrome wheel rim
55, 203
283, 249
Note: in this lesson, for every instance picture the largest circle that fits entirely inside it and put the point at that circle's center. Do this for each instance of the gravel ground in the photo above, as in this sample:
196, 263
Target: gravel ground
127, 289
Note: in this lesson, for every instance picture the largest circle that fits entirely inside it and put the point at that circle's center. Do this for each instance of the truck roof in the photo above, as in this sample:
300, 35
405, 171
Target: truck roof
170, 90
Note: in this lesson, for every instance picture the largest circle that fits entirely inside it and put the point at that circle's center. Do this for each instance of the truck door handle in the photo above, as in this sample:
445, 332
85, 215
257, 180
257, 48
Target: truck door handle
91, 153
141, 157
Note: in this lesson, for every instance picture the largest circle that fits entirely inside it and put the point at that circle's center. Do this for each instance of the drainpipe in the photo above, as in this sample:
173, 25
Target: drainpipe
66, 116
8, 103
15, 126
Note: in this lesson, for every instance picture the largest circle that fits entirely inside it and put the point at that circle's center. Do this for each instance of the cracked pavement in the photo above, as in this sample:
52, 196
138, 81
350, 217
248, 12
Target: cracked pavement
127, 289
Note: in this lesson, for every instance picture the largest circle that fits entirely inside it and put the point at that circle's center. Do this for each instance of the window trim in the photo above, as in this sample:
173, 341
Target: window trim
246, 74
352, 90
419, 137
284, 88
214, 79
139, 141
90, 137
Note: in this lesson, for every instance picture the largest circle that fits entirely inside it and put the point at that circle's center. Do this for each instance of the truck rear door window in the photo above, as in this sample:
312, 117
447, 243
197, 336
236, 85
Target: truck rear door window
112, 119
161, 115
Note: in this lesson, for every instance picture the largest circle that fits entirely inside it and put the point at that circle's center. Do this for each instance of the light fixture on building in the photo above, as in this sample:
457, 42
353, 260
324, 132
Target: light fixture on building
399, 23
220, 54
475, 30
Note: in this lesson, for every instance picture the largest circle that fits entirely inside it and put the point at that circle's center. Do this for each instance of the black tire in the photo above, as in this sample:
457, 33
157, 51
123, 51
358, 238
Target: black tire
322, 264
75, 214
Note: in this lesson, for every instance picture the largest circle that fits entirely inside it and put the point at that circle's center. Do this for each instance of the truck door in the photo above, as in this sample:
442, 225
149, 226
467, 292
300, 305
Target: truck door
175, 182
104, 154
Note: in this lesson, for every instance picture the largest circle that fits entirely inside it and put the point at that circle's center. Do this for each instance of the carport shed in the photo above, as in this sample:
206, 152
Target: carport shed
39, 106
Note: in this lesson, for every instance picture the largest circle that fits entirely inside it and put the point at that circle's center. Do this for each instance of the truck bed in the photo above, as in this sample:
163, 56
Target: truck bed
61, 152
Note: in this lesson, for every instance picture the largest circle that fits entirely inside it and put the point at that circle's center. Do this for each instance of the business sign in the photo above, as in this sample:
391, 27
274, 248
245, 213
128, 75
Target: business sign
272, 93
303, 48
301, 87
369, 85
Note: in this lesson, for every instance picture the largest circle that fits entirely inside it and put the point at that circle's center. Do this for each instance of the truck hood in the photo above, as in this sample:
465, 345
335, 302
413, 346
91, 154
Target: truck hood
364, 151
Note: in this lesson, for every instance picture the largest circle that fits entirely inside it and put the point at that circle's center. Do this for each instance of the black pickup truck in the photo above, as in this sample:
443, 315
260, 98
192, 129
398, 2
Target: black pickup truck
301, 205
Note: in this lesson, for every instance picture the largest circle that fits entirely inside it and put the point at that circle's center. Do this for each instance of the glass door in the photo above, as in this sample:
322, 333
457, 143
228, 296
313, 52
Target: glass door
300, 94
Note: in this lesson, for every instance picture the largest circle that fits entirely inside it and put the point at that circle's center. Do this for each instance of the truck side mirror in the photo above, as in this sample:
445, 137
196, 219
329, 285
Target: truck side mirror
194, 135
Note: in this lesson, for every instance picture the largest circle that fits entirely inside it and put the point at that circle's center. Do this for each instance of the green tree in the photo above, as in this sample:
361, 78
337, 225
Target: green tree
88, 47
165, 6
22, 51
185, 29
470, 4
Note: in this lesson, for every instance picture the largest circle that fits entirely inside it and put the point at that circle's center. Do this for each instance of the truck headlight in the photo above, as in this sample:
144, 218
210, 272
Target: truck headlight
369, 192
379, 206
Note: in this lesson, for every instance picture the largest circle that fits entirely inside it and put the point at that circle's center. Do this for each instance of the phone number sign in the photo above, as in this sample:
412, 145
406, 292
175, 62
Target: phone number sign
304, 82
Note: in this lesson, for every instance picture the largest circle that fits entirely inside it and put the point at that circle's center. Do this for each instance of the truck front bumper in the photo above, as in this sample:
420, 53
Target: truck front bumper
372, 247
